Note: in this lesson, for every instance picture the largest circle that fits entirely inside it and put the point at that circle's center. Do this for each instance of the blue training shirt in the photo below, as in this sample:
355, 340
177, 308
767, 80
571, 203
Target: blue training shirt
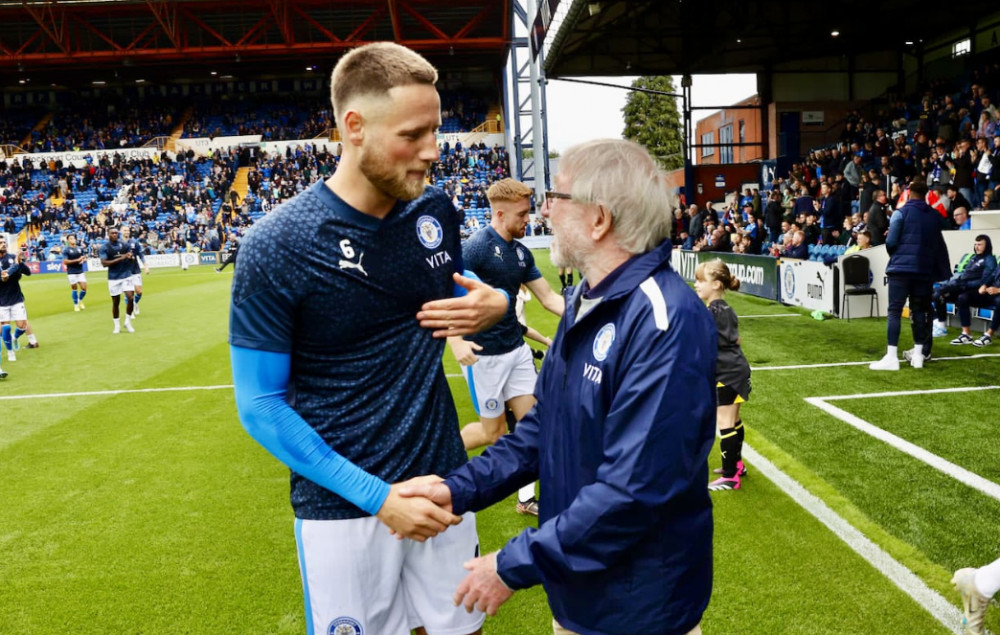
338, 291
136, 249
72, 253
10, 291
502, 265
110, 251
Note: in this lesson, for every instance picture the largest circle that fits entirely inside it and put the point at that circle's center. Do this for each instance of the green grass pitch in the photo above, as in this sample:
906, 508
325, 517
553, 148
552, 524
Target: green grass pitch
154, 512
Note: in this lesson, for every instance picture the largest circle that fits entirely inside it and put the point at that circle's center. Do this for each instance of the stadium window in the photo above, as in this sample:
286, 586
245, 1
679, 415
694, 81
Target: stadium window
726, 136
707, 140
962, 47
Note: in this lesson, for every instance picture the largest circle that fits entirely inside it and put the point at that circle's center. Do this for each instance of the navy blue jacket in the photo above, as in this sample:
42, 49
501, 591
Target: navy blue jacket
976, 272
619, 440
915, 243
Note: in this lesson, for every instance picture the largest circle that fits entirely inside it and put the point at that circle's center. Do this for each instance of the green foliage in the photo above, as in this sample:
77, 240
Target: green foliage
654, 122
154, 512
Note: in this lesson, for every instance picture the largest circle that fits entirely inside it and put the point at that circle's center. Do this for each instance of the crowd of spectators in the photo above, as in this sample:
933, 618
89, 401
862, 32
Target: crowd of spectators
273, 117
186, 203
106, 125
948, 138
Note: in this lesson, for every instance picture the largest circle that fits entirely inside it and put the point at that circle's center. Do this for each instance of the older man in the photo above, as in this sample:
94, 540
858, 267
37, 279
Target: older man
624, 422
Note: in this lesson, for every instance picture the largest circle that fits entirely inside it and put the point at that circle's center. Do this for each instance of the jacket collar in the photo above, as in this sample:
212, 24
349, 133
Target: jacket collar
629, 275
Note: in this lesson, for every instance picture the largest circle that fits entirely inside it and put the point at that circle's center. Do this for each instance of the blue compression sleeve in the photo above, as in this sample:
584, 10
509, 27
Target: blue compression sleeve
461, 291
261, 382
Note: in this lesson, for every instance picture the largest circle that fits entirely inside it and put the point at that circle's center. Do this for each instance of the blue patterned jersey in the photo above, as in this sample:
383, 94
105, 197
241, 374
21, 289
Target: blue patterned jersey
72, 253
339, 291
110, 251
10, 291
503, 265
136, 249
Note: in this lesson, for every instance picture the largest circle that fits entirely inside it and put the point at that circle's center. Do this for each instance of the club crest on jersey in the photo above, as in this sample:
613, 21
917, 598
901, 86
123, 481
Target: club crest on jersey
602, 343
429, 231
345, 626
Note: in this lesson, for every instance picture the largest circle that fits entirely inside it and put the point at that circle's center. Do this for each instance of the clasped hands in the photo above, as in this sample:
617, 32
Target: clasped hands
420, 508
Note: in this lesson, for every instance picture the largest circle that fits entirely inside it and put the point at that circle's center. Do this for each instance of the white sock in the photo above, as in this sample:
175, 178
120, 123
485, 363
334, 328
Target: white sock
988, 579
918, 349
117, 323
893, 351
32, 339
526, 493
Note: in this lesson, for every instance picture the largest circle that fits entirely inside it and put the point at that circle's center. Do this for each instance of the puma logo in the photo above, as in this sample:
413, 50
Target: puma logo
347, 264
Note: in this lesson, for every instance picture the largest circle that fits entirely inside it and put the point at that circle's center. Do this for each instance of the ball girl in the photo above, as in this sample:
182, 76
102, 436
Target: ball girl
732, 371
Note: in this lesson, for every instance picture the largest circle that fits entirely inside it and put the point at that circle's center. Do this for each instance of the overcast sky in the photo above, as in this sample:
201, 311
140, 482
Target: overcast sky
580, 112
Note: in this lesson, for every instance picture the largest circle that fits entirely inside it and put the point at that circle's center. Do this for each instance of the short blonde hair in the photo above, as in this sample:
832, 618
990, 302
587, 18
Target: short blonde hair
508, 191
373, 70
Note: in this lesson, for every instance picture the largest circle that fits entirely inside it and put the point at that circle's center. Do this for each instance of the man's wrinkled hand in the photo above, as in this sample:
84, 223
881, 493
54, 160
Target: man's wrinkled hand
414, 517
430, 487
482, 307
482, 588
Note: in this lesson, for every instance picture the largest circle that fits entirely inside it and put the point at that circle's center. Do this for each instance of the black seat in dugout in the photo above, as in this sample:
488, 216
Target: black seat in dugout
857, 282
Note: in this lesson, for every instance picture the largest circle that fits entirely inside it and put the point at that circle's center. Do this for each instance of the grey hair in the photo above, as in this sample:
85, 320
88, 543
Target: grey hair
622, 176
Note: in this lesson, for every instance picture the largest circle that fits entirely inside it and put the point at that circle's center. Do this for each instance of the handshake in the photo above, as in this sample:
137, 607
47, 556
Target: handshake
419, 508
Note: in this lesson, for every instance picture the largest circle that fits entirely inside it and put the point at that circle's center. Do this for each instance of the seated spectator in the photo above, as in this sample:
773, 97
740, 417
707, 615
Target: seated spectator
972, 272
958, 203
962, 219
986, 296
797, 248
863, 240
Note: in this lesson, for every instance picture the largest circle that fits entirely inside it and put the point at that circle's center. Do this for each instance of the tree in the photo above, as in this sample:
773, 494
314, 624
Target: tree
653, 121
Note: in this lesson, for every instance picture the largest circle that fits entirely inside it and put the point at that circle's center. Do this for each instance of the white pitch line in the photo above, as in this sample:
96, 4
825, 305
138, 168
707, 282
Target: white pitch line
904, 393
948, 468
95, 393
836, 364
764, 315
941, 609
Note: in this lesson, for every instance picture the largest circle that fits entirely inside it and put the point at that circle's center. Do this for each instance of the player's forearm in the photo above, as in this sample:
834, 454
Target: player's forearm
260, 380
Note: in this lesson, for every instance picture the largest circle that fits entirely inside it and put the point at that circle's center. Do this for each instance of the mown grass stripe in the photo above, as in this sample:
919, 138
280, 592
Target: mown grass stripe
95, 393
906, 580
948, 468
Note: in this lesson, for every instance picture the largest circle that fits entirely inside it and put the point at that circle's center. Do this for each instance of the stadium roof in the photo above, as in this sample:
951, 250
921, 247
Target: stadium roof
64, 41
676, 37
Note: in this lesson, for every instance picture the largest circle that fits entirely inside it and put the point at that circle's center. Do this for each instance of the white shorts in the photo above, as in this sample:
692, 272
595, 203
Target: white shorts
496, 379
357, 579
13, 313
76, 278
136, 279
117, 287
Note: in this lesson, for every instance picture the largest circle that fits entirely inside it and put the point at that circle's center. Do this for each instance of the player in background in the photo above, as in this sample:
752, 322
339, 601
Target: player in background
116, 256
73, 259
497, 363
343, 296
137, 259
12, 300
523, 297
229, 256
566, 277
732, 371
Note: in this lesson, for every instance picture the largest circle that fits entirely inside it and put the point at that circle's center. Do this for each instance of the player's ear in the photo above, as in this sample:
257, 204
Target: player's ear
354, 127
